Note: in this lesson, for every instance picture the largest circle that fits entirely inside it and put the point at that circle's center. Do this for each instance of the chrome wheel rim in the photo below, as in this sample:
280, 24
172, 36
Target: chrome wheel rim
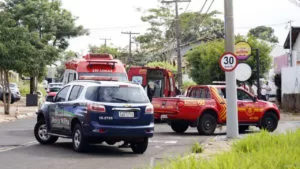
43, 133
77, 138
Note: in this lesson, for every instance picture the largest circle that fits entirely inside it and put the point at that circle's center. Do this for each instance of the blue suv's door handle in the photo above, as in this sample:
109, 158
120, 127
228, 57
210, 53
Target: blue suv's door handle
75, 104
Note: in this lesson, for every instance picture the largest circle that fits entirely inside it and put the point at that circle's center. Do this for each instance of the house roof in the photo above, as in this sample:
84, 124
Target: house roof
295, 33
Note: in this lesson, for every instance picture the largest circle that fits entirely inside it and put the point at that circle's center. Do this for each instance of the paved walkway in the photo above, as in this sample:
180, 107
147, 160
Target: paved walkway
18, 110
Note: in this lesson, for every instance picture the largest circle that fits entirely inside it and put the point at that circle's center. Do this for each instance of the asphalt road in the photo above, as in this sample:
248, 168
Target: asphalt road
19, 150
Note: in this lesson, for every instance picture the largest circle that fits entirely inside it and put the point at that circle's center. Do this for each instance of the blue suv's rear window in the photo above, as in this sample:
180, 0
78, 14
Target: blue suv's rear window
116, 94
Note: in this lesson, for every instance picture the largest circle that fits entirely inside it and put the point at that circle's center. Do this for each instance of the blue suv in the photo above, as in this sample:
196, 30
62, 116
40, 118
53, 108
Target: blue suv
97, 111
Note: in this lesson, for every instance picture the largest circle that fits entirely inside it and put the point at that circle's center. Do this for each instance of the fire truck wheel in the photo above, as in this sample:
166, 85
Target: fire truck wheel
179, 126
207, 124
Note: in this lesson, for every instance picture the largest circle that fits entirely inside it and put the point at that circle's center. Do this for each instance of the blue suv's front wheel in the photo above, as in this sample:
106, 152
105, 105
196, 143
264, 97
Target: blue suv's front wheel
41, 133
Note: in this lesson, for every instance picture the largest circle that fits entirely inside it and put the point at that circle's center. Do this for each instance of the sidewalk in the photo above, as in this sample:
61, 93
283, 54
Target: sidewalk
18, 110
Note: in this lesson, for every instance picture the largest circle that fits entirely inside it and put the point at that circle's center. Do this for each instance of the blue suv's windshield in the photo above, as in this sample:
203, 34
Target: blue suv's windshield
116, 94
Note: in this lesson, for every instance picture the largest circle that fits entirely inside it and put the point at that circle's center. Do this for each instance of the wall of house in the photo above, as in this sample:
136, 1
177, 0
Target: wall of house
290, 86
296, 51
290, 82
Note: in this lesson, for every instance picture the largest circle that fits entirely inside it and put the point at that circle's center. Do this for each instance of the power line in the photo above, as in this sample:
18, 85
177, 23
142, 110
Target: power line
105, 39
202, 7
179, 63
188, 5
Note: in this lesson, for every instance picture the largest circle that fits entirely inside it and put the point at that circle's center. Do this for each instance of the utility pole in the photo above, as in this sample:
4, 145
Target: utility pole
231, 90
179, 63
130, 33
291, 46
105, 39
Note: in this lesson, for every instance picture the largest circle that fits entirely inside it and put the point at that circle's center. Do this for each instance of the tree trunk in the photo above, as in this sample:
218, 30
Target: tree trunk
32, 85
6, 98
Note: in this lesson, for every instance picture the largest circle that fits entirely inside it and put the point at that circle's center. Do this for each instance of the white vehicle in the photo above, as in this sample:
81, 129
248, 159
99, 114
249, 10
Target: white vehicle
51, 85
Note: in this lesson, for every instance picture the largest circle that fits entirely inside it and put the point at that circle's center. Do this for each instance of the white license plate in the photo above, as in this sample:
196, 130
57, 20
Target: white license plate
126, 114
163, 116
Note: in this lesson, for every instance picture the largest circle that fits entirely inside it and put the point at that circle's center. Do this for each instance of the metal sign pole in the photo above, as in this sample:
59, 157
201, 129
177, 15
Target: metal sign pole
231, 90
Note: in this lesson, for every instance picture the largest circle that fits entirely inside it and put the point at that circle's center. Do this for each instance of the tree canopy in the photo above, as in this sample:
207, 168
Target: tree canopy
203, 60
105, 49
50, 27
264, 33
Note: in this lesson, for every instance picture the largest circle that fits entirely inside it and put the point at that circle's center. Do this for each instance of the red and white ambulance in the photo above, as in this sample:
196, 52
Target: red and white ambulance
95, 67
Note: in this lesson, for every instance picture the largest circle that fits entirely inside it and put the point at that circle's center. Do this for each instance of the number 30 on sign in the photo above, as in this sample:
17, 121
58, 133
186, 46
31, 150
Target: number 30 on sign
228, 61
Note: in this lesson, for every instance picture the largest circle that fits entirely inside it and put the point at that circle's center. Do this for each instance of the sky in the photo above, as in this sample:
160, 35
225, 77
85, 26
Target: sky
107, 19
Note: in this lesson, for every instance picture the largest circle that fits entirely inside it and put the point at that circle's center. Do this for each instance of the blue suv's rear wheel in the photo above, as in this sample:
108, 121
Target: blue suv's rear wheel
79, 142
139, 147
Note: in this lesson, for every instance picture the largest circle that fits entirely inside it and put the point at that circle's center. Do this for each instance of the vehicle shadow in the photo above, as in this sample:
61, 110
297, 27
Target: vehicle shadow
65, 148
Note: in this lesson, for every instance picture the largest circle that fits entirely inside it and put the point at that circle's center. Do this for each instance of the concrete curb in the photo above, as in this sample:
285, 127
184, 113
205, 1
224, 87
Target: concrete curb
22, 116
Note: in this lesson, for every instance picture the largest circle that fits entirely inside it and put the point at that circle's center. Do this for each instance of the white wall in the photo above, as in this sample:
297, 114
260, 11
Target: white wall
290, 82
296, 51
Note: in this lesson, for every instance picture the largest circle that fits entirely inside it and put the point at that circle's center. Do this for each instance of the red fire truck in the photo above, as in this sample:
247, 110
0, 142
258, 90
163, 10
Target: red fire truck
95, 67
163, 79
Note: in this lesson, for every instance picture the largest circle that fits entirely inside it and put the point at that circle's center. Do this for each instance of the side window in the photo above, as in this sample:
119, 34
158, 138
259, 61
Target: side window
71, 77
194, 92
204, 93
222, 92
171, 84
137, 79
62, 95
75, 92
207, 93
242, 95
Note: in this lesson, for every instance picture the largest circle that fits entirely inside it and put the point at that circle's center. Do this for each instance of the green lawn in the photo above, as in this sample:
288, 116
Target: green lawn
257, 151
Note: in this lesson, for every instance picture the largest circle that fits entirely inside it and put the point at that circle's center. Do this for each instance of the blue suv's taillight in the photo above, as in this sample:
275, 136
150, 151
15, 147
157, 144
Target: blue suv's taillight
96, 107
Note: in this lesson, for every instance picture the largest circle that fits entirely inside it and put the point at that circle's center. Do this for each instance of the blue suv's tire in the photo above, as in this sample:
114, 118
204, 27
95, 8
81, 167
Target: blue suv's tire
41, 134
139, 147
78, 140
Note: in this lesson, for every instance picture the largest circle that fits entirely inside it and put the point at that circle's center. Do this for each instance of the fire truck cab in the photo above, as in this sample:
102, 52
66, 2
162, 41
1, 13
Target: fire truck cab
95, 67
163, 79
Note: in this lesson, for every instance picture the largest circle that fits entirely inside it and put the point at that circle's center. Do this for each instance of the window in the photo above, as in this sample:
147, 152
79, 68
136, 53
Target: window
54, 89
171, 84
120, 76
222, 92
137, 79
193, 93
116, 94
242, 95
202, 93
62, 95
75, 92
71, 77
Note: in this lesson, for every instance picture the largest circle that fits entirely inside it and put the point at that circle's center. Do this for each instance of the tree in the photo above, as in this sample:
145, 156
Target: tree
154, 39
203, 60
64, 57
51, 24
161, 34
164, 65
115, 52
15, 49
195, 26
264, 33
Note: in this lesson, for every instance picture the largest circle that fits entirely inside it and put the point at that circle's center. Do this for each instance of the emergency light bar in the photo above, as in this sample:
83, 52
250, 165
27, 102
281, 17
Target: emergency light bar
98, 56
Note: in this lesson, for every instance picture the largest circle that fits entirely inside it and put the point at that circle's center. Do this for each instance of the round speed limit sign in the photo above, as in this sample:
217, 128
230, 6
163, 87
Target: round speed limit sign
228, 61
